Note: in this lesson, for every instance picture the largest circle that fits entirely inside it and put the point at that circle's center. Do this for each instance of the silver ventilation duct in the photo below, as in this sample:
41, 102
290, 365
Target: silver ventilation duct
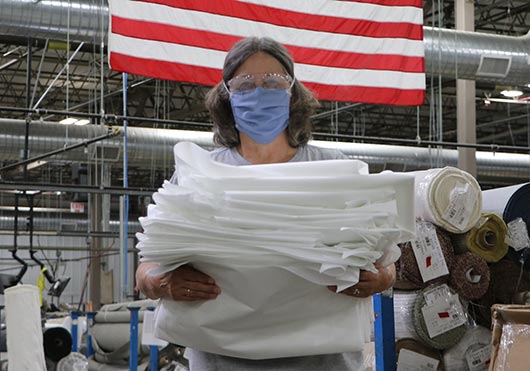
152, 148
466, 55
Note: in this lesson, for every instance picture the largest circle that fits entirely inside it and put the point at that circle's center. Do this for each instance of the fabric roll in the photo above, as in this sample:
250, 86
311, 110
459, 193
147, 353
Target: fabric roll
476, 338
510, 203
417, 347
443, 341
448, 197
487, 239
507, 278
57, 343
402, 283
24, 332
403, 308
409, 266
470, 276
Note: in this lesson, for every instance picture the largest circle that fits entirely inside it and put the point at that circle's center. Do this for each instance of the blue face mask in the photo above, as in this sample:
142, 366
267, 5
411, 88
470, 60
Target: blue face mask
262, 114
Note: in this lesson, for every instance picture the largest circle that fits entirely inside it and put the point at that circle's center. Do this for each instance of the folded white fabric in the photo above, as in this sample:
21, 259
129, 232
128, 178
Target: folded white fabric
448, 197
273, 236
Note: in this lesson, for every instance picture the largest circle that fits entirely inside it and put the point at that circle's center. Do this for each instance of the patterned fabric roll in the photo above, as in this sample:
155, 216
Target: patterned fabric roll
470, 276
409, 266
443, 341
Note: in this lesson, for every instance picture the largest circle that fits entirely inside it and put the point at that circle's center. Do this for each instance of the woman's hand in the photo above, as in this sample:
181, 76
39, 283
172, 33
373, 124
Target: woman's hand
184, 283
371, 283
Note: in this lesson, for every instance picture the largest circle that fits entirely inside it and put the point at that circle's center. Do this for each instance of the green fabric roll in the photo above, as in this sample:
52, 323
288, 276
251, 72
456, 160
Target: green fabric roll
442, 341
487, 239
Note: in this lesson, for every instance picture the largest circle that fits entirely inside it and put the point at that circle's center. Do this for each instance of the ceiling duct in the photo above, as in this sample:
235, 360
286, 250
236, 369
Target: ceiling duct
447, 52
152, 148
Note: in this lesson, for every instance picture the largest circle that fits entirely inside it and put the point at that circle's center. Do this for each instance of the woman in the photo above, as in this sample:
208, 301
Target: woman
261, 115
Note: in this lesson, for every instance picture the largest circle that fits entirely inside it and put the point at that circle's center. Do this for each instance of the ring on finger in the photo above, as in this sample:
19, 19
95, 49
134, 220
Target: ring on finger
188, 292
356, 292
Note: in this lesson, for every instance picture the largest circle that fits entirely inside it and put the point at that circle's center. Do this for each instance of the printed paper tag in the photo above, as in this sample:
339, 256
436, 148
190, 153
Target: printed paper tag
443, 315
412, 361
441, 292
428, 252
479, 360
461, 204
518, 234
148, 330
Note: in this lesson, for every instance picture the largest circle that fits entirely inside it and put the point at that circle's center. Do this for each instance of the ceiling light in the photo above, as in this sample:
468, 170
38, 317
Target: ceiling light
512, 93
68, 121
82, 122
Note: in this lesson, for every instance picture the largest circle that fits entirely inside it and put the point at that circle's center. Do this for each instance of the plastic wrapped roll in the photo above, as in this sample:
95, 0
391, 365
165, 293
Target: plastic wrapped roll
403, 283
487, 239
417, 347
57, 343
409, 266
24, 333
448, 197
511, 203
470, 276
442, 341
475, 339
403, 307
507, 278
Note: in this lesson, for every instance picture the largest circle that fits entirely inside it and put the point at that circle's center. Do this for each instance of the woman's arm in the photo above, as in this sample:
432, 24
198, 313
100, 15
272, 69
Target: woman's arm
371, 283
184, 283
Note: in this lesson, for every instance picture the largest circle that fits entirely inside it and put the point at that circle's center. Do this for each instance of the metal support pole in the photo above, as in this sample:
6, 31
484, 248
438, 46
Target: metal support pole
153, 353
124, 201
90, 322
75, 319
384, 333
133, 344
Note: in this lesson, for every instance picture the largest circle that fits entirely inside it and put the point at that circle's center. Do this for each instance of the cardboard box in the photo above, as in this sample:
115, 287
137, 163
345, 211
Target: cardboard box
510, 342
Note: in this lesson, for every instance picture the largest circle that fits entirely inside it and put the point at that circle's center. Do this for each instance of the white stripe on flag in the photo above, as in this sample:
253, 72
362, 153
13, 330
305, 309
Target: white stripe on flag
285, 35
156, 50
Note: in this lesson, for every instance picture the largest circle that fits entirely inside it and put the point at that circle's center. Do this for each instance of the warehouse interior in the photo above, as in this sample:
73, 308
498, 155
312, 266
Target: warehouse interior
72, 209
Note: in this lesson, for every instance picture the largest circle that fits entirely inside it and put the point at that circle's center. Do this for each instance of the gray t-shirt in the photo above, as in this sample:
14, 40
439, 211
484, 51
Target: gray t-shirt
202, 361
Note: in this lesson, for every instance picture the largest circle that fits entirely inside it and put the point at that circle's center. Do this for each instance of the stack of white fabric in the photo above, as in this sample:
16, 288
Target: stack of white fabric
272, 237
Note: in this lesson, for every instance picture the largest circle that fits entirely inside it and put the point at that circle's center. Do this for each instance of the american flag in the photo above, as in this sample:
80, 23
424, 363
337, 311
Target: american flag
368, 51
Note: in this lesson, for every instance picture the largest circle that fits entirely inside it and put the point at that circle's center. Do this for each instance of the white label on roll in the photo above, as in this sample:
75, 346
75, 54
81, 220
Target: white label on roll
461, 205
412, 361
441, 292
518, 234
443, 315
428, 252
479, 359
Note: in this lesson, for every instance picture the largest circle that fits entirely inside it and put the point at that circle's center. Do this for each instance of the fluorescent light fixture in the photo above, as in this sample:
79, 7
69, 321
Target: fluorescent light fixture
512, 93
82, 122
68, 121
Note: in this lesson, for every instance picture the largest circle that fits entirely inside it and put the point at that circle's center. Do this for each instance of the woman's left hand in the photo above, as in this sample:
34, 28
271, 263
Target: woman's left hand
371, 283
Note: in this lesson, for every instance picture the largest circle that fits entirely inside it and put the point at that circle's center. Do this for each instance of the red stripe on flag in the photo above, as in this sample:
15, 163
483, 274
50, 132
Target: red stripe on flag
288, 18
413, 3
443, 314
211, 76
210, 40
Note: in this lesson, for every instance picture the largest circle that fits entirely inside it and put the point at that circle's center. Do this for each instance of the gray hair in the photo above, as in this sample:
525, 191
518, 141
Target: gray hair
302, 106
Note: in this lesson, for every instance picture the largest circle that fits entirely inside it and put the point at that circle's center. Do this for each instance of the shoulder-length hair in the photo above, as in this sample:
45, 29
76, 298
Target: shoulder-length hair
302, 104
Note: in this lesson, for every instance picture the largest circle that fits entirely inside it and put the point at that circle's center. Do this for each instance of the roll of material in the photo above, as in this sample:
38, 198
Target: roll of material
443, 341
57, 343
403, 308
455, 358
510, 203
470, 276
403, 283
417, 347
448, 197
487, 239
507, 278
409, 266
24, 332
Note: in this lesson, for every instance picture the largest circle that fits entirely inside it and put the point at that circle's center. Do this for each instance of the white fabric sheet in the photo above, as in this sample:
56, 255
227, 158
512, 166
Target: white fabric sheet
273, 236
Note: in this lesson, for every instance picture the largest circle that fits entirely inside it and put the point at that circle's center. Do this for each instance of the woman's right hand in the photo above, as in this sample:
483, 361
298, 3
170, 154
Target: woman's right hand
184, 283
